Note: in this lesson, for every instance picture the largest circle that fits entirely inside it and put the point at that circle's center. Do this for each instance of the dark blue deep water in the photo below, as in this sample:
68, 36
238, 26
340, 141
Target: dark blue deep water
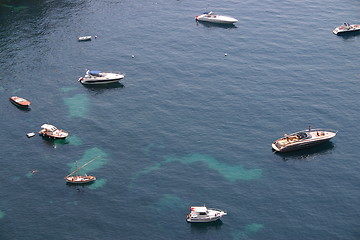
188, 125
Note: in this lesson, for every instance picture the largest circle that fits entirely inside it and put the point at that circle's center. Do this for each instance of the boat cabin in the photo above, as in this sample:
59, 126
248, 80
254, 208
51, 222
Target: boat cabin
199, 210
94, 73
302, 135
49, 128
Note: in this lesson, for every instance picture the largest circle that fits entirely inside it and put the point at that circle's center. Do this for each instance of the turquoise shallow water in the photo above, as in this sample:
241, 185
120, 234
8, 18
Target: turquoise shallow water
187, 126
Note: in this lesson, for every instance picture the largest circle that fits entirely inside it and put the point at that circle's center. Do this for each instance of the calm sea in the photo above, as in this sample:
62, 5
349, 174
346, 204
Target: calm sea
191, 124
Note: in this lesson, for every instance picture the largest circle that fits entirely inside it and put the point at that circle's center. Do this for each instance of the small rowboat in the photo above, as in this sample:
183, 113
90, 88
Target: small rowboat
84, 38
20, 102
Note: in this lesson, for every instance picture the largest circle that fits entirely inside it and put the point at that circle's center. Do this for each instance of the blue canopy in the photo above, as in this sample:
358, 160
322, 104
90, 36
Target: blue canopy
94, 72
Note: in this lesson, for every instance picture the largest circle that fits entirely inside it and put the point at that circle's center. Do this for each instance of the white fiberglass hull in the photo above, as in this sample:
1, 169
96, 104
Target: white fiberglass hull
216, 19
98, 81
283, 145
211, 215
346, 29
106, 79
84, 38
203, 220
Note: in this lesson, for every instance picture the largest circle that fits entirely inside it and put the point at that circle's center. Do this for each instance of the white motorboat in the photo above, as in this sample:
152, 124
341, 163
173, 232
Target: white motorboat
204, 214
215, 18
346, 28
84, 38
52, 132
302, 139
98, 77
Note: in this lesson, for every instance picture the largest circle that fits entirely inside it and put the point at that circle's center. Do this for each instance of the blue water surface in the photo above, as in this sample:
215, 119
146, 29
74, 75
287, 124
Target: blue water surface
191, 123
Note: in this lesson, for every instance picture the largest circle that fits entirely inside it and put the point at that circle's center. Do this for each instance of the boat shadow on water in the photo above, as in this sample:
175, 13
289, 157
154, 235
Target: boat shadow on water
24, 109
203, 227
308, 153
81, 188
216, 25
53, 142
75, 185
349, 35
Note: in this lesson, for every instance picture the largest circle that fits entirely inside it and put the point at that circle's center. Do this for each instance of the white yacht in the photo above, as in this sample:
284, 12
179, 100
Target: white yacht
204, 214
214, 18
346, 28
98, 77
302, 139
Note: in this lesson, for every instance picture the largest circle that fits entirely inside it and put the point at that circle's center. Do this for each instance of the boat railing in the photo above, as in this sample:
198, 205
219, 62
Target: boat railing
216, 209
322, 129
313, 130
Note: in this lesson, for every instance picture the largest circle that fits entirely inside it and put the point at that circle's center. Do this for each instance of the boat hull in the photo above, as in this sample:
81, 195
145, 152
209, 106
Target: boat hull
206, 220
281, 145
19, 102
99, 78
55, 133
80, 182
216, 19
299, 146
204, 215
51, 136
343, 30
98, 82
84, 38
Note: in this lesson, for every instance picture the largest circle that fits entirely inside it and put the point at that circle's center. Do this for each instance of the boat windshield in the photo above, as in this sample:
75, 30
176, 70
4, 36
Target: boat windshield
302, 135
95, 73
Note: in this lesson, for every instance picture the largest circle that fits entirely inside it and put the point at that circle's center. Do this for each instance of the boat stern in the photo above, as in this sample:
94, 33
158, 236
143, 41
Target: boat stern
275, 146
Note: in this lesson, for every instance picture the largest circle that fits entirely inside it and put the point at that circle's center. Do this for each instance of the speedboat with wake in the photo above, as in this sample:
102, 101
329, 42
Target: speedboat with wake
204, 214
346, 28
215, 18
98, 77
302, 139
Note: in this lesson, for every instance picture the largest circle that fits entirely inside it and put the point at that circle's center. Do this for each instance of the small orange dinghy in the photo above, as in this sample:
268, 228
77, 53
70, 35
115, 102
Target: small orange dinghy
20, 102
